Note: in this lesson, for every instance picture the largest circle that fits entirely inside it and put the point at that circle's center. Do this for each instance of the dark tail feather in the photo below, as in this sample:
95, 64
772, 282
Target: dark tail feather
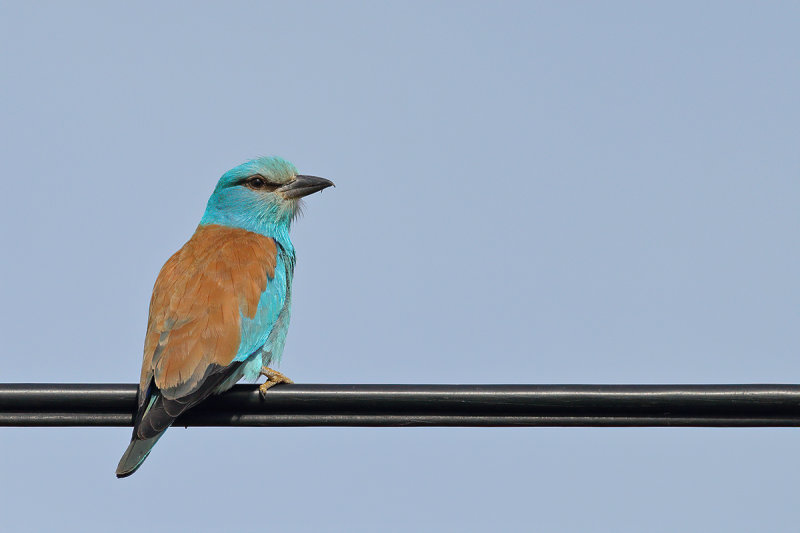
156, 414
134, 456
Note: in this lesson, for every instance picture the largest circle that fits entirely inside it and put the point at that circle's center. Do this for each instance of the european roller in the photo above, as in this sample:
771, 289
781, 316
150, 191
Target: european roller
220, 306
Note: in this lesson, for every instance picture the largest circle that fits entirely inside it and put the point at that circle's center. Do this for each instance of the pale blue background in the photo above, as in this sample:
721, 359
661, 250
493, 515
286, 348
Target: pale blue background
526, 193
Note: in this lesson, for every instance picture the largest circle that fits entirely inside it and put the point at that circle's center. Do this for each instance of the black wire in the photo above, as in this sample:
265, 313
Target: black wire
420, 405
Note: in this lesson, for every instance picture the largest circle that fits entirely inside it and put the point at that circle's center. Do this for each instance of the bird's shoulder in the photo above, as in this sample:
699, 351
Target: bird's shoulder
219, 247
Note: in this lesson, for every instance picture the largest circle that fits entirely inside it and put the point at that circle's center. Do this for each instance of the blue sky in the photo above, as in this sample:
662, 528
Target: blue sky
526, 193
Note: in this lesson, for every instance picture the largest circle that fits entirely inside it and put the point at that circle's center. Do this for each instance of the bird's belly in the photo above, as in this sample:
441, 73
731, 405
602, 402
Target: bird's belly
249, 370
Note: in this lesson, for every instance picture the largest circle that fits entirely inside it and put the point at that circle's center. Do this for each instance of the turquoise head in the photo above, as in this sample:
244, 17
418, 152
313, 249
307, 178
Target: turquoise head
262, 195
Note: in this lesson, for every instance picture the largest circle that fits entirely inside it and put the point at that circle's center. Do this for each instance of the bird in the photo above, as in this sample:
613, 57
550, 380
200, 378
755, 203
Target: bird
221, 304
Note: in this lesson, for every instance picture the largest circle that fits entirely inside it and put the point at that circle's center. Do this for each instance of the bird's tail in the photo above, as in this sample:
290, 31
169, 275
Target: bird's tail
134, 456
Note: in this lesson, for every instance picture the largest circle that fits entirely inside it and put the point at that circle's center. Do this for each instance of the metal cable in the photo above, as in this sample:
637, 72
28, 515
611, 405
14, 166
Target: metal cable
420, 405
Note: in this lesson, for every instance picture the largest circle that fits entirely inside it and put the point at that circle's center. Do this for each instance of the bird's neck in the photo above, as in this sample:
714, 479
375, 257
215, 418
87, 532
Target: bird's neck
277, 229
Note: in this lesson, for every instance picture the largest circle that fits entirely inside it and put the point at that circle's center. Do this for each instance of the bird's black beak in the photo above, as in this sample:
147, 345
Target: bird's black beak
303, 186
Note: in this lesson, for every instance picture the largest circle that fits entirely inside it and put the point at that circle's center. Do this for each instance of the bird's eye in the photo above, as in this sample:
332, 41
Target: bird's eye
256, 182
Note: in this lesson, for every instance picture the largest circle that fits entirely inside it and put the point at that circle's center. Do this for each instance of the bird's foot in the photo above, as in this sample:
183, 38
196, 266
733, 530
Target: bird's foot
273, 378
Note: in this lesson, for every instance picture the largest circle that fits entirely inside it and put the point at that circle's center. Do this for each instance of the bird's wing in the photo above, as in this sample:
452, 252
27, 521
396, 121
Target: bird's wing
206, 302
